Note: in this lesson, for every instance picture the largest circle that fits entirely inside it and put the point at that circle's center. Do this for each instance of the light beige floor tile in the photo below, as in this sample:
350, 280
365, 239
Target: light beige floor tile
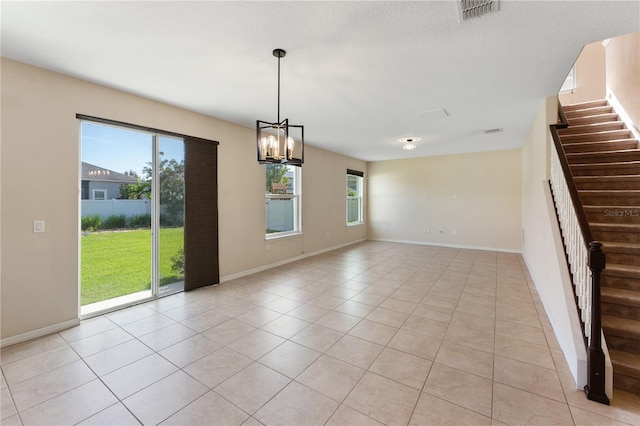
308, 312
34, 365
399, 305
129, 315
348, 416
296, 405
3, 382
280, 289
190, 350
86, 329
587, 418
524, 351
285, 326
338, 321
514, 406
521, 332
436, 313
327, 301
460, 388
439, 302
289, 358
256, 344
475, 339
529, 377
356, 351
283, 305
236, 308
188, 310
162, 399
374, 332
71, 407
302, 295
7, 407
259, 316
205, 320
415, 344
424, 326
38, 389
12, 421
167, 303
113, 358
380, 290
459, 357
209, 409
388, 317
369, 298
475, 322
402, 367
99, 342
217, 367
387, 401
167, 336
148, 325
261, 298
229, 331
135, 376
252, 387
435, 411
469, 306
317, 337
623, 408
562, 367
356, 309
519, 315
116, 415
331, 377
343, 292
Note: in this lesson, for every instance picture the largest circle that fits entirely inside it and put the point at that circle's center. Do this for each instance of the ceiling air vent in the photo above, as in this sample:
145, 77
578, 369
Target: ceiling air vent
468, 9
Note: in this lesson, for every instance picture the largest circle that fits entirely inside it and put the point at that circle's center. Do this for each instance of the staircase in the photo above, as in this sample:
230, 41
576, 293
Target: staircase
605, 162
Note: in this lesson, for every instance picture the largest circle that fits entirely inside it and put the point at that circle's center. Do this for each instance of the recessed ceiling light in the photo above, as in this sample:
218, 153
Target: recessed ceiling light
409, 143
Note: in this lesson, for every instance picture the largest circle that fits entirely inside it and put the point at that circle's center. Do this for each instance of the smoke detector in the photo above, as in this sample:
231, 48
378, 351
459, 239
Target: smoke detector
468, 9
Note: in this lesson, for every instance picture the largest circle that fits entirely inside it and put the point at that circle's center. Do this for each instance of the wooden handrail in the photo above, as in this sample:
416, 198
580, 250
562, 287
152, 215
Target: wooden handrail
595, 388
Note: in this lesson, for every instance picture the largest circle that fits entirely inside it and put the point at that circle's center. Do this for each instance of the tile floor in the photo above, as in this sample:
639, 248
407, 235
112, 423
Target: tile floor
375, 333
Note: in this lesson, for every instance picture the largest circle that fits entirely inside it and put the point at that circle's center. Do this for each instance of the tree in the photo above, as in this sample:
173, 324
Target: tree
171, 188
275, 173
136, 191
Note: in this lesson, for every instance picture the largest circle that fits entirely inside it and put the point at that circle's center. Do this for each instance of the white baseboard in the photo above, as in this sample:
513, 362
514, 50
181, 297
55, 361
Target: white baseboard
54, 328
460, 246
286, 261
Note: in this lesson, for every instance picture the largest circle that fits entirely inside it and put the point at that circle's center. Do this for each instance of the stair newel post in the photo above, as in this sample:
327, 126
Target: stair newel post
595, 388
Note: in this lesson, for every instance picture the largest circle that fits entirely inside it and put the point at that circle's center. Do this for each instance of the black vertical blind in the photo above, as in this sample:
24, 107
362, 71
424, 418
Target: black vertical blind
201, 267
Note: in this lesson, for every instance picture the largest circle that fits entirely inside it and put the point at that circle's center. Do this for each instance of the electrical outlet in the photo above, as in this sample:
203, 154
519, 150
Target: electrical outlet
38, 226
440, 231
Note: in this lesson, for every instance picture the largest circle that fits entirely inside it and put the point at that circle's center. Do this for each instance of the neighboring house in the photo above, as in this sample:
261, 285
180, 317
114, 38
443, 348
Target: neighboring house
99, 183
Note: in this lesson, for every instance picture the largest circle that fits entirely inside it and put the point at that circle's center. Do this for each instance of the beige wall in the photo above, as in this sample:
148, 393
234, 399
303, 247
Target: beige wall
477, 195
542, 245
40, 180
590, 76
623, 73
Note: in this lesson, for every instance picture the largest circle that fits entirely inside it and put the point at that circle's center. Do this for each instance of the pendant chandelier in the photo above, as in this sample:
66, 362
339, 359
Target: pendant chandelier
280, 142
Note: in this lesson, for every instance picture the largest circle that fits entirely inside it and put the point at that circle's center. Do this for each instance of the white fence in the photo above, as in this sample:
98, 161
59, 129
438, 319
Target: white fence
106, 208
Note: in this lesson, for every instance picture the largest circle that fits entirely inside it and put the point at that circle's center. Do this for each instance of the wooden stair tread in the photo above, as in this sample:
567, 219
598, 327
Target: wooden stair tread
614, 178
621, 326
597, 153
620, 296
627, 363
585, 104
618, 245
626, 227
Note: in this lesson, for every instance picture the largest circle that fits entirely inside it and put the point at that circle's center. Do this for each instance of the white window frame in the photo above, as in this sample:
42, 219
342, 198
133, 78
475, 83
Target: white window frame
570, 83
296, 196
93, 194
358, 197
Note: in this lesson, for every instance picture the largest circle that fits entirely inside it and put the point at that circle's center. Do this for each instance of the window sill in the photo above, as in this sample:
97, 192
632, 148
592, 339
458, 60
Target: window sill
281, 235
354, 224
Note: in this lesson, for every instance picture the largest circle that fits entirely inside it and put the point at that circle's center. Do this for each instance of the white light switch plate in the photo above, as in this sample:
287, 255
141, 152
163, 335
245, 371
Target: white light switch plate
38, 226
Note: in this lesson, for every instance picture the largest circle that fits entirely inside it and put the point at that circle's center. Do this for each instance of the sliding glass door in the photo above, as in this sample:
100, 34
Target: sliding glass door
132, 216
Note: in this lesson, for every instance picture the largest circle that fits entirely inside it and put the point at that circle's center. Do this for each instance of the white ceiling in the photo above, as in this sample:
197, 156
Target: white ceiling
357, 75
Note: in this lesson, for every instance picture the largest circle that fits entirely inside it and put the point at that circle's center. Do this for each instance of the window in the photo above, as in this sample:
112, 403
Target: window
100, 194
354, 197
282, 200
570, 82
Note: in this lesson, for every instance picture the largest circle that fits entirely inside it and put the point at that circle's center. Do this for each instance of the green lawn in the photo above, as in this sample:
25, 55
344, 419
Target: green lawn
117, 263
